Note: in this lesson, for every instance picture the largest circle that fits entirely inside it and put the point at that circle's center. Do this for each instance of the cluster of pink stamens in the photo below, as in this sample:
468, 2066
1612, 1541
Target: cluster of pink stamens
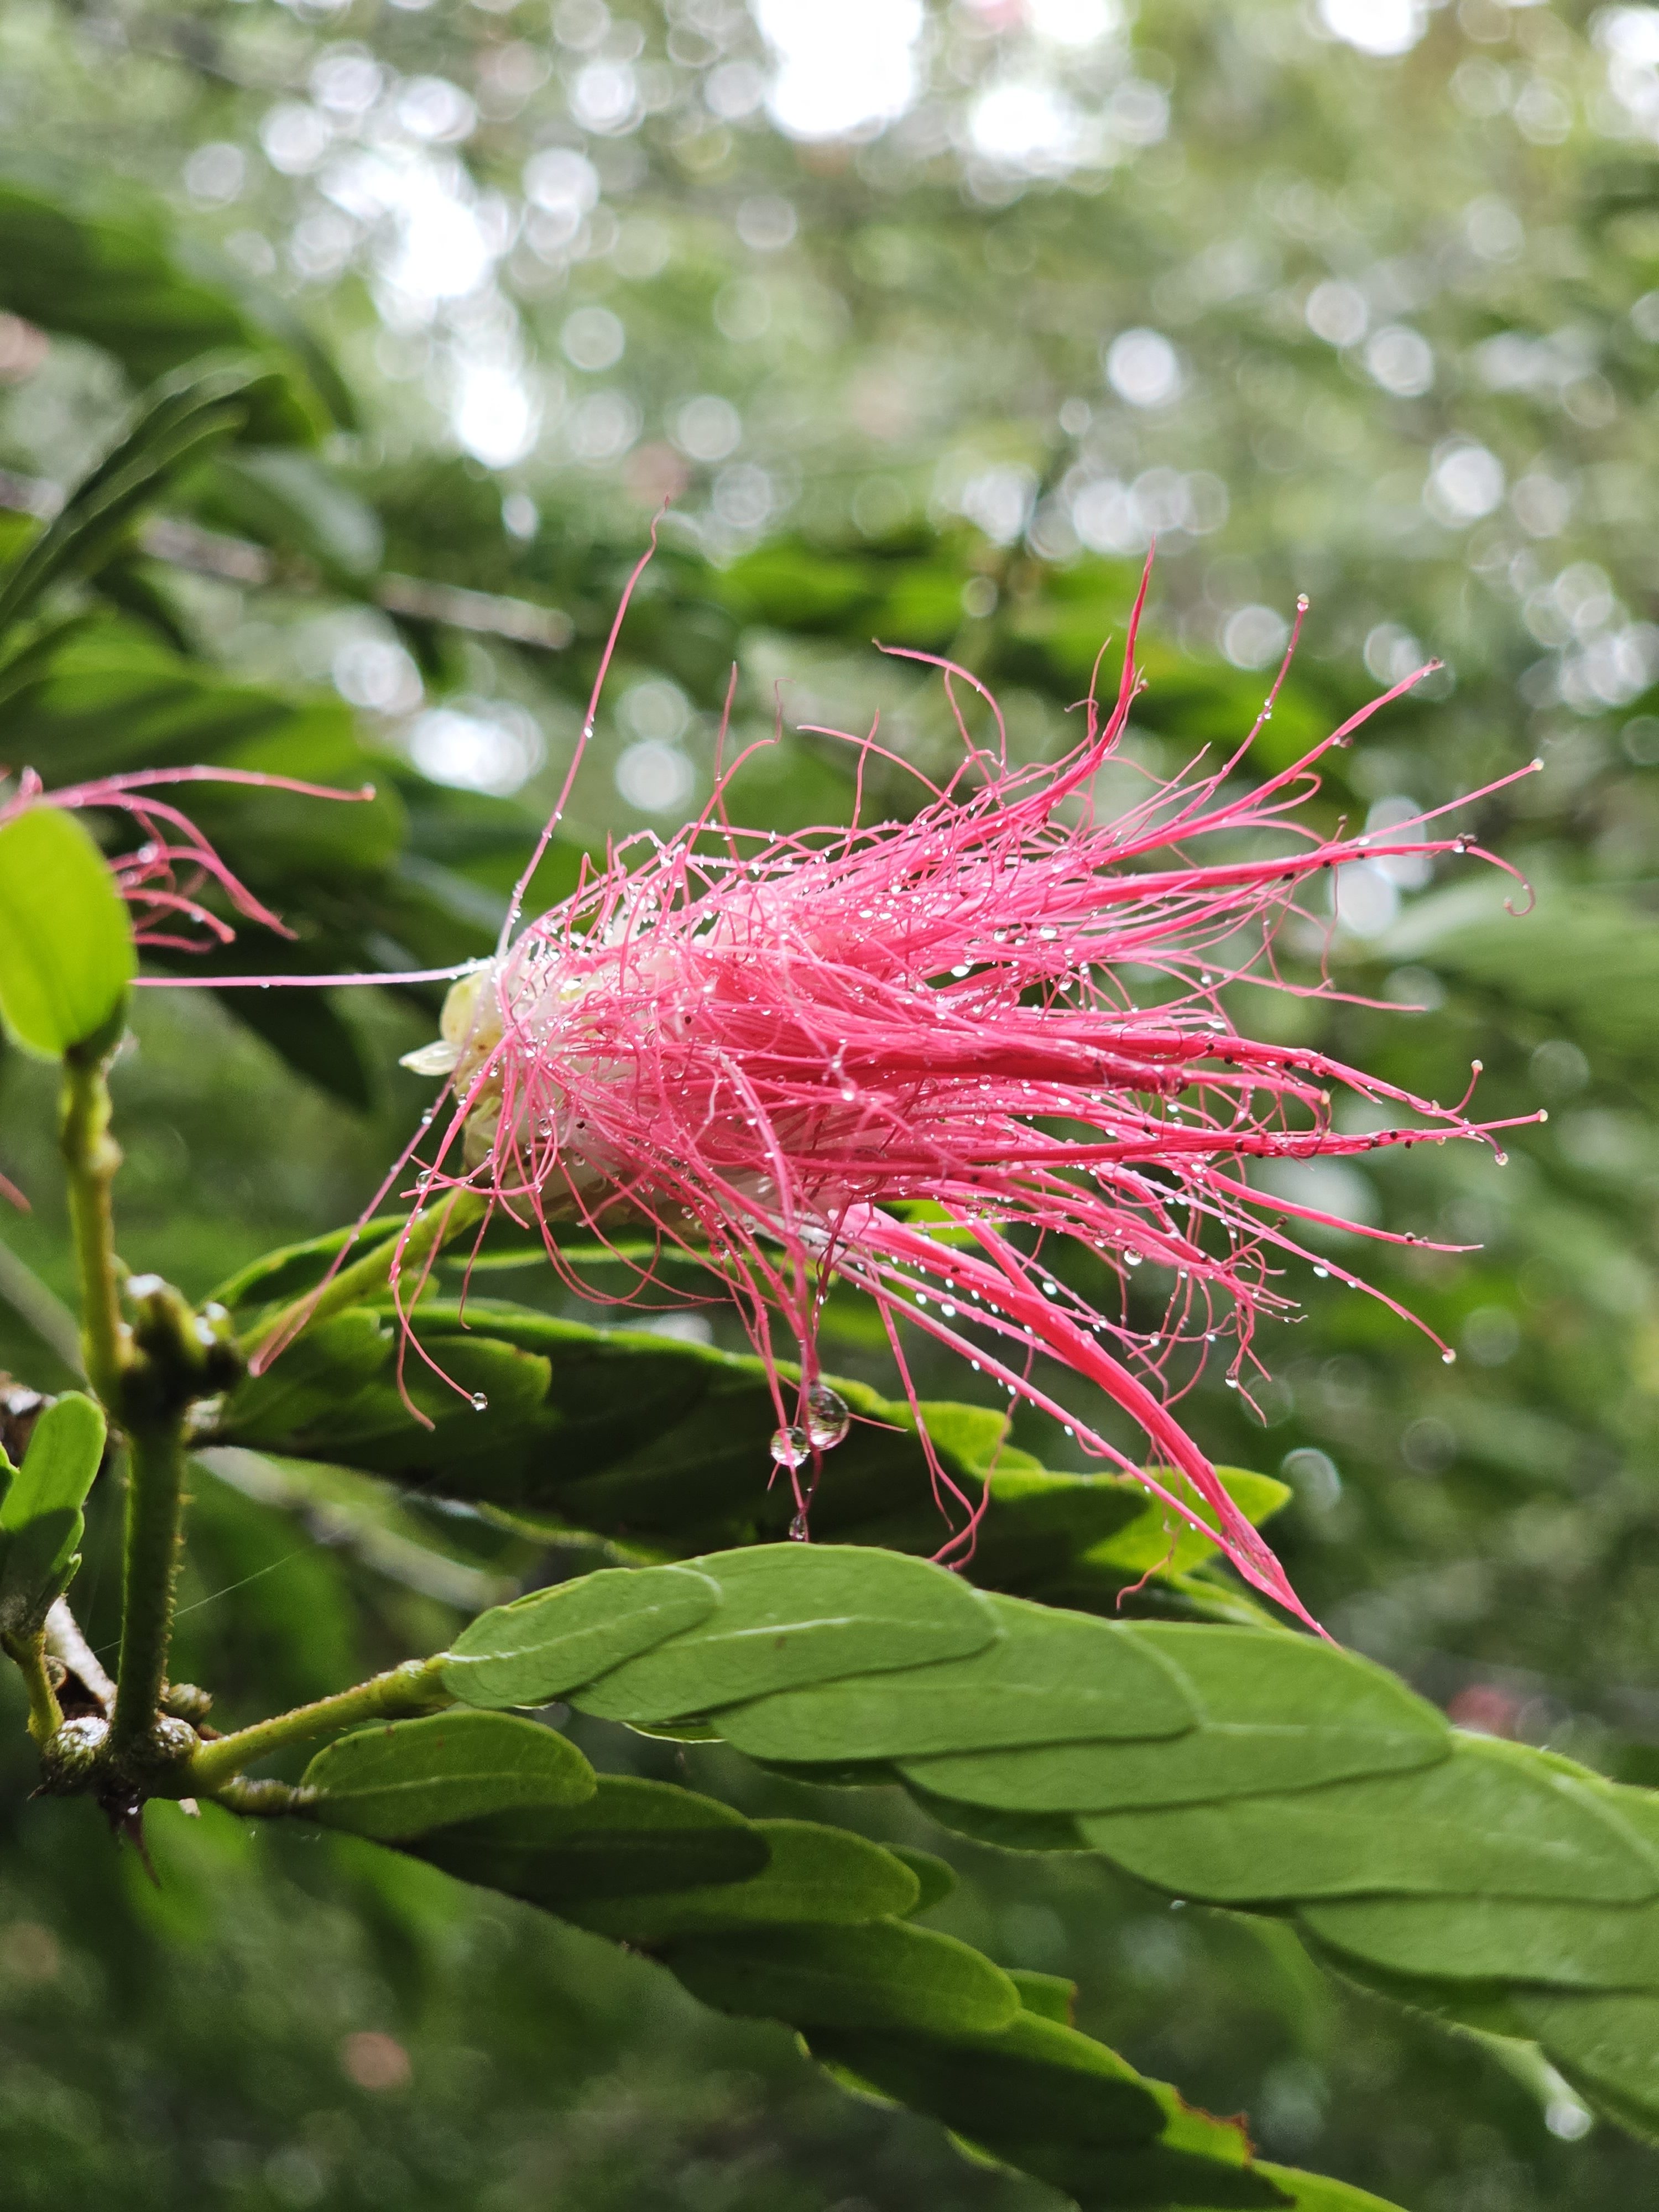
922, 1058
164, 877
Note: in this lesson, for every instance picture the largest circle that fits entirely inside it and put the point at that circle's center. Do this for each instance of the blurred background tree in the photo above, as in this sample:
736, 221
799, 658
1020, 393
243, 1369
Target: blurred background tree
926, 320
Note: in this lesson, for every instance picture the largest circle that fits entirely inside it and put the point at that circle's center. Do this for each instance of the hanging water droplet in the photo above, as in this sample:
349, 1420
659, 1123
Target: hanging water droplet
791, 1447
479, 1402
1448, 1358
827, 1417
798, 1528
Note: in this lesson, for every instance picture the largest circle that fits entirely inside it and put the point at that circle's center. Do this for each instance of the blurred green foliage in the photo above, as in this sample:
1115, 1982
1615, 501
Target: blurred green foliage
1378, 327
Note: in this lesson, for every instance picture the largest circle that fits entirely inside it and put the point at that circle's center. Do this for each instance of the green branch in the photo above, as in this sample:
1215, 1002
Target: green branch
91, 1157
155, 1492
46, 1715
412, 1688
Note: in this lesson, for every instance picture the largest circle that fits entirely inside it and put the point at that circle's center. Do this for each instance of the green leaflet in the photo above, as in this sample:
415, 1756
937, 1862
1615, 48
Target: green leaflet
797, 1614
40, 1519
1606, 2047
1317, 2192
402, 1780
1051, 1997
884, 1974
622, 1432
1275, 1713
555, 1640
328, 1365
1049, 1677
790, 1919
813, 1874
66, 949
1497, 1939
628, 1838
1484, 1823
1050, 2082
1037, 2095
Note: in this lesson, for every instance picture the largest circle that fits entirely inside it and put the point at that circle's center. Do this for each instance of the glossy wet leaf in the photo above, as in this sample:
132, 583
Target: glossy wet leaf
401, 1779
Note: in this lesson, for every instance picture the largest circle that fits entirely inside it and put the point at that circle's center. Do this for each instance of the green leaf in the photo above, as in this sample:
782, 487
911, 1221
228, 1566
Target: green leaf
1049, 1677
936, 1877
1607, 2047
628, 1838
1495, 1939
1039, 2096
814, 1874
794, 1615
1276, 1712
410, 1776
1483, 1823
557, 1639
66, 949
177, 423
1037, 2082
41, 1522
105, 269
1318, 2192
886, 1974
666, 1444
1051, 1997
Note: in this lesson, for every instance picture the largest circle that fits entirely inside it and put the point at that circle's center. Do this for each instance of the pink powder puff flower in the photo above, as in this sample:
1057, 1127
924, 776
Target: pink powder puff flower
922, 1057
162, 879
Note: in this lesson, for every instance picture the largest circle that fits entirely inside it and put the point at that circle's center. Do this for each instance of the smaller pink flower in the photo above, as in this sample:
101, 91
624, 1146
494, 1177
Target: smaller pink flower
162, 879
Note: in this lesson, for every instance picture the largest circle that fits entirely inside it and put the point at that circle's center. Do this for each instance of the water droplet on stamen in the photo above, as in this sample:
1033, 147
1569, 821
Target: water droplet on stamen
479, 1402
827, 1417
791, 1447
798, 1528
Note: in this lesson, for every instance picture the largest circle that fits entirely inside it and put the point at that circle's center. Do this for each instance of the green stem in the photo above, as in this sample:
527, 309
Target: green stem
426, 1236
45, 1716
262, 1801
93, 1155
155, 1493
412, 1688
